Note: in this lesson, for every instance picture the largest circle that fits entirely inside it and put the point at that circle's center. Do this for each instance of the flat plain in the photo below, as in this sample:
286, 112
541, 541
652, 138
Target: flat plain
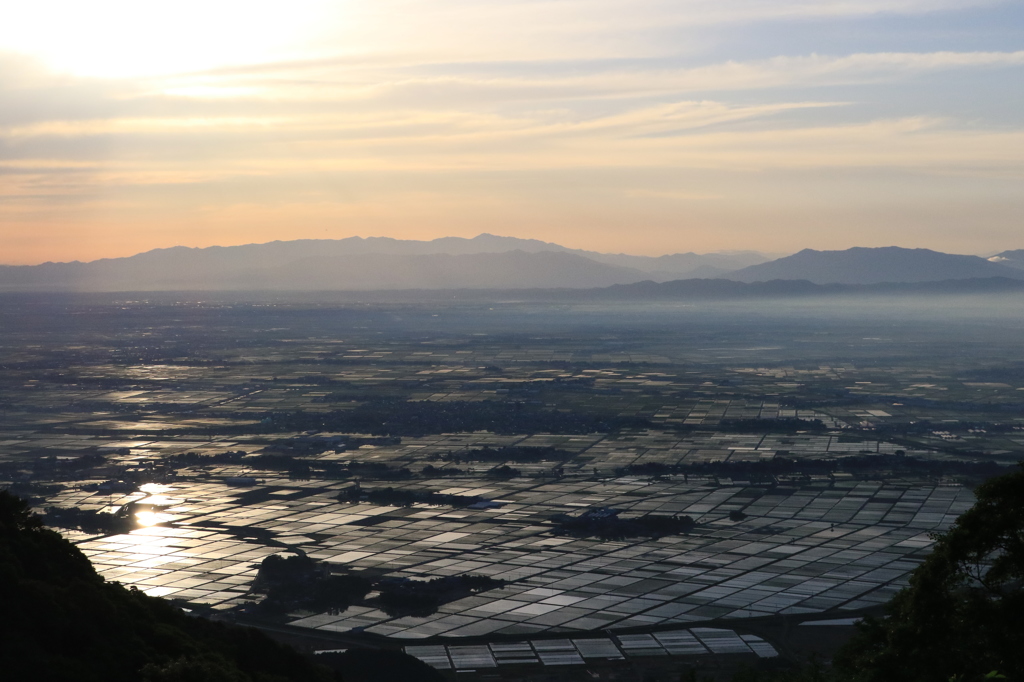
805, 451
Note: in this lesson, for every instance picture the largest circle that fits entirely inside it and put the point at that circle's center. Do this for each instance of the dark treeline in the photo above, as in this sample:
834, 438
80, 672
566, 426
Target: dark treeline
816, 397
767, 470
504, 472
404, 597
53, 467
89, 521
296, 467
510, 453
925, 426
611, 527
783, 425
431, 471
395, 417
420, 418
298, 582
398, 497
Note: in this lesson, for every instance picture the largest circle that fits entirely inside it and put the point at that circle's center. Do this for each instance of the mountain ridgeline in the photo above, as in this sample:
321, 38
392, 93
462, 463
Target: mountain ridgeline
872, 266
487, 262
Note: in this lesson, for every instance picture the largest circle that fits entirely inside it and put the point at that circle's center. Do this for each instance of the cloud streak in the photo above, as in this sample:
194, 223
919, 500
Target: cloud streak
456, 117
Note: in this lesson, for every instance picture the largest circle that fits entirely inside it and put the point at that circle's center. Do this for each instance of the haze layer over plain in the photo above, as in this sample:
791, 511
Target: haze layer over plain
647, 127
655, 411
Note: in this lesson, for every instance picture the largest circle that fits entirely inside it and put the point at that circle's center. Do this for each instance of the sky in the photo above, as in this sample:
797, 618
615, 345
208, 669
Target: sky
639, 126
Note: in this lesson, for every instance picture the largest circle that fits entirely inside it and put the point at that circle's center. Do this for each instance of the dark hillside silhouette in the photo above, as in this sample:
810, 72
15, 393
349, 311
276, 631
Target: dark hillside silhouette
962, 616
62, 622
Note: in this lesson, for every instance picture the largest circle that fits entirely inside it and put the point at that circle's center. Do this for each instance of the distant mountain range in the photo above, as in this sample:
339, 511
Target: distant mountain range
871, 266
483, 262
486, 261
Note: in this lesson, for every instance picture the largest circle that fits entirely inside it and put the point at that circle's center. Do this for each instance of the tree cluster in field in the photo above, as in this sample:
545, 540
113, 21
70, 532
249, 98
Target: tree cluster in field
781, 425
611, 527
89, 521
812, 397
298, 582
421, 418
504, 472
510, 453
404, 597
296, 468
378, 470
228, 457
35, 492
401, 497
314, 444
431, 471
53, 468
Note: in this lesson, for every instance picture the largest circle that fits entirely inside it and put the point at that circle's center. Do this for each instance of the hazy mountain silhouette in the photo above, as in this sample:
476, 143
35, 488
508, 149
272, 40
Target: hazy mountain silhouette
1013, 259
874, 265
486, 261
181, 271
509, 270
676, 265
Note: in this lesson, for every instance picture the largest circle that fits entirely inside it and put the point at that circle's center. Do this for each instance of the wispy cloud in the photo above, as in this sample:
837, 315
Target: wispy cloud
396, 120
457, 112
250, 98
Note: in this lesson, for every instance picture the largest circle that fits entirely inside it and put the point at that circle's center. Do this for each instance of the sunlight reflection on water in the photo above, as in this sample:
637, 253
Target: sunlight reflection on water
151, 518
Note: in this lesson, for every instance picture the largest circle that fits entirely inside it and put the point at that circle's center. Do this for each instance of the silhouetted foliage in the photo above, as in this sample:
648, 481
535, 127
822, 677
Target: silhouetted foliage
369, 665
296, 467
378, 470
504, 472
298, 582
420, 418
511, 453
64, 622
606, 524
962, 616
399, 497
401, 596
89, 521
782, 425
430, 471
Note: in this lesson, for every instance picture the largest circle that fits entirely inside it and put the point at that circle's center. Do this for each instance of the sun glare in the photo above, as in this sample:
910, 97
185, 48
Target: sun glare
120, 38
150, 518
